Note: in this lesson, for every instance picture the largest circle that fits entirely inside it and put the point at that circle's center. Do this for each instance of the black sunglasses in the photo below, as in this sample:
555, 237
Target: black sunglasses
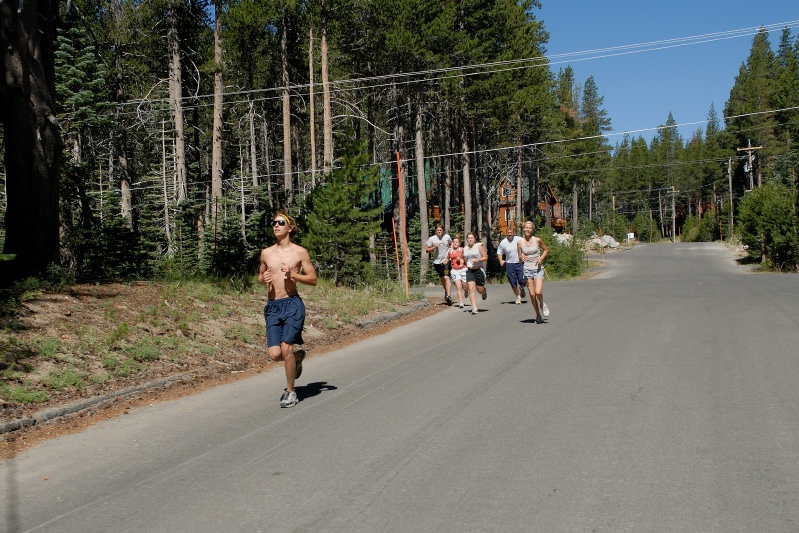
279, 222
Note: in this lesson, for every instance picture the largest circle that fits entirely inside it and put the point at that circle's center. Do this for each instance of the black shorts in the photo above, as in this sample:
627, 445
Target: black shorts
477, 275
442, 269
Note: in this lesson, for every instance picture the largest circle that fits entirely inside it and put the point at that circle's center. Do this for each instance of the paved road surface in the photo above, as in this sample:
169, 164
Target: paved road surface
662, 395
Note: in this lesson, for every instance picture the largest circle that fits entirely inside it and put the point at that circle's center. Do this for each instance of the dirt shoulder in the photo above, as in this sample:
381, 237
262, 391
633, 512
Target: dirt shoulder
93, 332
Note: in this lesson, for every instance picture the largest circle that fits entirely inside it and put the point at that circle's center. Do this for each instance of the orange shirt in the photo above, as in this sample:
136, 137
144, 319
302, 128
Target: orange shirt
456, 257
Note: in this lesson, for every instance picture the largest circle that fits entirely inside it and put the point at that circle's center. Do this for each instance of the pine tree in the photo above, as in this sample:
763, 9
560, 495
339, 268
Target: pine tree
787, 97
340, 220
83, 105
751, 103
596, 150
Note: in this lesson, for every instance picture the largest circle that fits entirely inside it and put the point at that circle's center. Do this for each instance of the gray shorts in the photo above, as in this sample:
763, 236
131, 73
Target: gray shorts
534, 273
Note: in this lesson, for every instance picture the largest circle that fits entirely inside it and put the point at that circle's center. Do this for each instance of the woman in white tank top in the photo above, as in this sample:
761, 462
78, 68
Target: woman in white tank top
475, 256
532, 252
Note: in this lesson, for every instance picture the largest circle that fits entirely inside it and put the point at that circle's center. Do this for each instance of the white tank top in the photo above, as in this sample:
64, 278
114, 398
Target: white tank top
473, 254
532, 251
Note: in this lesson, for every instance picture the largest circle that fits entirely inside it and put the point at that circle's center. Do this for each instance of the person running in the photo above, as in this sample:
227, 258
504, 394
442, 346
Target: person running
457, 268
533, 251
476, 257
508, 255
440, 243
283, 265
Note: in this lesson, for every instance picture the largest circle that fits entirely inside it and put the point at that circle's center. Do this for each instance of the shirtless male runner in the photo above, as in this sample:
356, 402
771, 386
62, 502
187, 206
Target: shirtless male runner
283, 265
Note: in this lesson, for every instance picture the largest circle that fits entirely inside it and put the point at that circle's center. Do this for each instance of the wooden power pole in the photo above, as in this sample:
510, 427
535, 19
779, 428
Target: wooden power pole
750, 153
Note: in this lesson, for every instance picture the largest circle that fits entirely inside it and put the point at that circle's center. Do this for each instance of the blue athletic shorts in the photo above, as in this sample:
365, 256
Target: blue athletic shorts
515, 272
285, 319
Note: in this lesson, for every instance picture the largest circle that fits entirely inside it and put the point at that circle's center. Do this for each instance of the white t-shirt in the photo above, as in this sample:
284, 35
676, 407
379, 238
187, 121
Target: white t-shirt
442, 251
509, 249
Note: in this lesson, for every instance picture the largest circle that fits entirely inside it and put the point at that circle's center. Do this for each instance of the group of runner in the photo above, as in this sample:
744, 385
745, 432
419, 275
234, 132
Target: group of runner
284, 264
464, 266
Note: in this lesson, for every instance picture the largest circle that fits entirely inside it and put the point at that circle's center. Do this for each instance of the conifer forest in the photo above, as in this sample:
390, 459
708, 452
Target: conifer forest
155, 139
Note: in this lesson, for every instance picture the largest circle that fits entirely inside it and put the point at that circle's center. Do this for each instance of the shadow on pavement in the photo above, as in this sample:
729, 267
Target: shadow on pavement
313, 389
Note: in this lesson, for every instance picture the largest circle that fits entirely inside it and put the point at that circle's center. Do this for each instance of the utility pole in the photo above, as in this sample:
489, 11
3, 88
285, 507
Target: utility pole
749, 152
673, 215
729, 179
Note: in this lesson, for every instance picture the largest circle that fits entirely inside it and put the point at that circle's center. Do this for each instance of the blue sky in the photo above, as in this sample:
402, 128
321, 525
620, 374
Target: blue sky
640, 89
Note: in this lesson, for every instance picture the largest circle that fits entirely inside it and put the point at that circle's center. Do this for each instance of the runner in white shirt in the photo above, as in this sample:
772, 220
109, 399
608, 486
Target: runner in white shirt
476, 258
439, 244
508, 255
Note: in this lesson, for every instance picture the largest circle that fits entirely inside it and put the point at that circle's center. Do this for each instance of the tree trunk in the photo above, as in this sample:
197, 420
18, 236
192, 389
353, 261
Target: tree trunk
327, 113
420, 186
467, 181
176, 98
243, 206
517, 216
486, 213
447, 193
312, 110
120, 139
268, 169
284, 67
253, 153
574, 208
216, 138
167, 223
31, 135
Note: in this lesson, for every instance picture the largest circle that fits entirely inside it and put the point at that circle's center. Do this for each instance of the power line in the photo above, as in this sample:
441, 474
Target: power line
401, 78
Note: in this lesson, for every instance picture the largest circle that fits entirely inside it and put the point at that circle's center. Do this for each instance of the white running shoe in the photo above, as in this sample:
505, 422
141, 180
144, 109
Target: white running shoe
474, 311
518, 300
544, 309
289, 399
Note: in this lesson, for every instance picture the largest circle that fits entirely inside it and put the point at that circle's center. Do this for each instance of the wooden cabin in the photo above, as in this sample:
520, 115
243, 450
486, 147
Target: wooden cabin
507, 215
552, 211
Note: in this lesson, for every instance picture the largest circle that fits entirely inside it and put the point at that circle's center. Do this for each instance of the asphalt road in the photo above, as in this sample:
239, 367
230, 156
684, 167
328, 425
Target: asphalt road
661, 395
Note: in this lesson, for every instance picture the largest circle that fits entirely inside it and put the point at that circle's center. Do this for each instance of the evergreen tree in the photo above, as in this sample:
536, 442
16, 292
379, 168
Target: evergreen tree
83, 110
666, 152
751, 103
768, 225
787, 98
339, 221
642, 182
563, 156
596, 150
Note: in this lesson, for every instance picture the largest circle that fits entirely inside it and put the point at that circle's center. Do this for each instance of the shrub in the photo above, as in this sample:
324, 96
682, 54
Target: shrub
768, 226
563, 260
645, 227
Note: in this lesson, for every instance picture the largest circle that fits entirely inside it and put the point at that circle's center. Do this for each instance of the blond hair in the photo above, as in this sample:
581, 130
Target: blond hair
289, 220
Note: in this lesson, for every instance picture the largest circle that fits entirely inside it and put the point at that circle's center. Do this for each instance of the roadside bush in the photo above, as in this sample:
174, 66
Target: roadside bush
585, 228
768, 226
645, 228
616, 226
690, 229
563, 260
